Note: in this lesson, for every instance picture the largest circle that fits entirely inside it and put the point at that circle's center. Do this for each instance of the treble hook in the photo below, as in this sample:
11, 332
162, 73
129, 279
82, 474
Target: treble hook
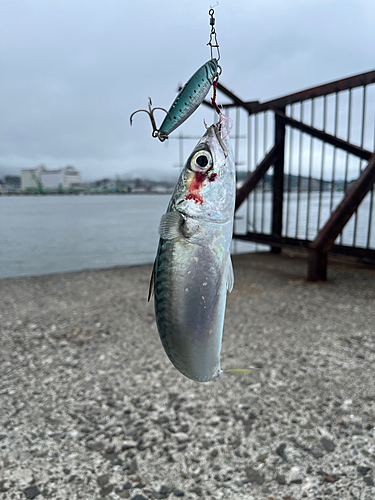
155, 131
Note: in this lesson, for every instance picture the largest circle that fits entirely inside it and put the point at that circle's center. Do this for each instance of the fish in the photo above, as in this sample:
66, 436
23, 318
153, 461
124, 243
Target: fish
193, 270
189, 98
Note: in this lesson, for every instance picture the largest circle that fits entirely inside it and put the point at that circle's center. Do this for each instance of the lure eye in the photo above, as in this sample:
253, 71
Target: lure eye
201, 161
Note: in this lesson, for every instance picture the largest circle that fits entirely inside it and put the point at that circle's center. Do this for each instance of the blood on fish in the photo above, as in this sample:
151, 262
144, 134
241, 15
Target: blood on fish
196, 197
198, 180
196, 184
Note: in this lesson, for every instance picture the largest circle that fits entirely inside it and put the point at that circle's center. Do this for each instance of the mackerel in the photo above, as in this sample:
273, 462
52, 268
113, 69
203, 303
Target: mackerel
193, 269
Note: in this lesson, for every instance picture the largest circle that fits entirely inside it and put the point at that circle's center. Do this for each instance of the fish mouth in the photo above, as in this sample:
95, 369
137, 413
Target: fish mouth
214, 131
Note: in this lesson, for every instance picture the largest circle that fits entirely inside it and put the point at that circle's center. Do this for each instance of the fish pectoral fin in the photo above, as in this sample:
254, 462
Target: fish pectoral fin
152, 282
229, 274
171, 225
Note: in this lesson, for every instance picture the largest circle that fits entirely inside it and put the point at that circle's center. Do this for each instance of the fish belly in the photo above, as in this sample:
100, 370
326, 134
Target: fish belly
190, 296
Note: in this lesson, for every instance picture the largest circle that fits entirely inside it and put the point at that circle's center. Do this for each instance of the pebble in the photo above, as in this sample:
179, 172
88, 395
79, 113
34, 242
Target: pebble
327, 444
4, 486
95, 446
185, 428
164, 490
197, 490
182, 437
103, 480
128, 445
123, 493
281, 479
368, 480
31, 492
254, 475
207, 444
363, 470
316, 453
178, 493
296, 481
280, 450
133, 467
107, 489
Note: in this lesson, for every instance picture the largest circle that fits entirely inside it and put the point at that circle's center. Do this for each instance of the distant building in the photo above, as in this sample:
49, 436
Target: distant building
10, 184
34, 178
13, 180
30, 178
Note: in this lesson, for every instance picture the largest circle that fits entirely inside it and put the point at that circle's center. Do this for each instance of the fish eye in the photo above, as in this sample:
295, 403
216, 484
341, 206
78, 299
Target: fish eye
201, 161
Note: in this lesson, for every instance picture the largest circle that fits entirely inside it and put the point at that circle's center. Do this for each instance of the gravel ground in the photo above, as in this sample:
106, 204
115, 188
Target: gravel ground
90, 406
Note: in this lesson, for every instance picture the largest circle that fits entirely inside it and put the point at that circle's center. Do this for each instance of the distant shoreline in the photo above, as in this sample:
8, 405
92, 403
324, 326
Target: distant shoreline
80, 193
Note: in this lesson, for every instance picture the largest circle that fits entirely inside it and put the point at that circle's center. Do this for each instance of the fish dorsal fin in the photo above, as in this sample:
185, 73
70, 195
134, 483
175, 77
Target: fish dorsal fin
152, 282
170, 225
229, 273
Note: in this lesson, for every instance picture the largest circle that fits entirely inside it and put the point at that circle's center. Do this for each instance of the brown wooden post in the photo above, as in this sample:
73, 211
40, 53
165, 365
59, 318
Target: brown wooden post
317, 265
278, 180
319, 248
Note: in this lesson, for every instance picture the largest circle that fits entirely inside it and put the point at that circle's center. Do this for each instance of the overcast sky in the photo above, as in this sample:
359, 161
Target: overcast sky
73, 71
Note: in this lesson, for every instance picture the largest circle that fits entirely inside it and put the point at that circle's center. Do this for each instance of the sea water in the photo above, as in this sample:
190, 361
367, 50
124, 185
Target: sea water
58, 233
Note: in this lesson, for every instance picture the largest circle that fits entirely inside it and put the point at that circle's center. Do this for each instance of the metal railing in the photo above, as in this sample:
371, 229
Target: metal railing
309, 173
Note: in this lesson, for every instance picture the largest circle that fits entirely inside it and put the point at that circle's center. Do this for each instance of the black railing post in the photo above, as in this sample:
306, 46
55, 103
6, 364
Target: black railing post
278, 179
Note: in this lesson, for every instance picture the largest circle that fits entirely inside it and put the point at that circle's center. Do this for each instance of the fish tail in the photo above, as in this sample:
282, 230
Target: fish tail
238, 371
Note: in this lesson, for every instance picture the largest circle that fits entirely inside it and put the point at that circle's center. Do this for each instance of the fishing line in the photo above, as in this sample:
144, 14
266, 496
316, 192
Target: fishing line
224, 121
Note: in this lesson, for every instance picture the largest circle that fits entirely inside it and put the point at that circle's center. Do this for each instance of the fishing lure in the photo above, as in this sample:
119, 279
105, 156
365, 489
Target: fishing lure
187, 101
191, 95
190, 98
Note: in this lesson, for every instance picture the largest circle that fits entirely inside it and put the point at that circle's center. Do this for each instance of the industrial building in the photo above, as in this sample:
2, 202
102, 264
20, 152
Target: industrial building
35, 178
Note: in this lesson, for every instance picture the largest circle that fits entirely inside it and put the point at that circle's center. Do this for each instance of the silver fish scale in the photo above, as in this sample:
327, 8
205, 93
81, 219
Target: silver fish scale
161, 291
186, 305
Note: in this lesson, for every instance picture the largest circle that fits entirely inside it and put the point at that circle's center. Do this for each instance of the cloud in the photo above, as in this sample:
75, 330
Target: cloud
74, 71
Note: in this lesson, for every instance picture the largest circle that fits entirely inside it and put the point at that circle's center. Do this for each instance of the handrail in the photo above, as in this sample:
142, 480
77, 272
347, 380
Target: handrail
362, 153
347, 83
277, 233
